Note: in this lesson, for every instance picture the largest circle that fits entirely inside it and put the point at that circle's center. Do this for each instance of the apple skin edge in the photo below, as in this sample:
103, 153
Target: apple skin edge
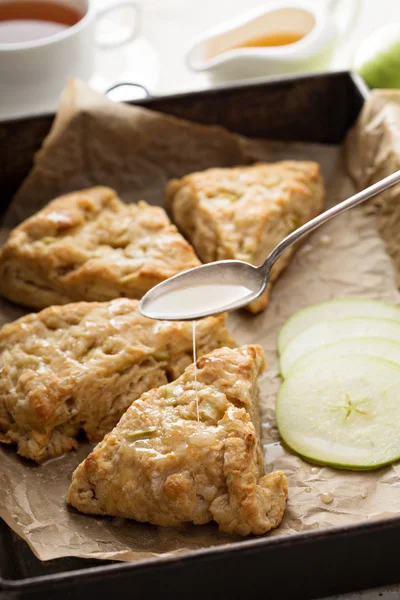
332, 309
376, 347
321, 463
330, 331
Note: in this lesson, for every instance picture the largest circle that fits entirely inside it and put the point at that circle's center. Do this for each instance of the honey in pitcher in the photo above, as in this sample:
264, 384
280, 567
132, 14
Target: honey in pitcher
272, 39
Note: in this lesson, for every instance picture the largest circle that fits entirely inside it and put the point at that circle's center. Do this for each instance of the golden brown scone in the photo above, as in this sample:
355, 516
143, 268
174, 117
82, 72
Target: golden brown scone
79, 367
90, 246
162, 466
244, 212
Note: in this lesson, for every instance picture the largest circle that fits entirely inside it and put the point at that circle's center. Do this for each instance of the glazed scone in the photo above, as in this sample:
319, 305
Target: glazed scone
78, 367
160, 465
244, 212
90, 246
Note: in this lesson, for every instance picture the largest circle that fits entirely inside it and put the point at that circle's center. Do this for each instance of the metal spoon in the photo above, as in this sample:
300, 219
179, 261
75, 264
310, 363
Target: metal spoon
230, 284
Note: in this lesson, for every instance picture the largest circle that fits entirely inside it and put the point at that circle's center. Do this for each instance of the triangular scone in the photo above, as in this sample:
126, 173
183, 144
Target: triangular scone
162, 466
89, 245
79, 366
244, 212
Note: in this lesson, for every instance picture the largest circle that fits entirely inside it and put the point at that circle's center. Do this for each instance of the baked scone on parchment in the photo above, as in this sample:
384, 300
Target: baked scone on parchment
160, 465
91, 246
78, 367
244, 212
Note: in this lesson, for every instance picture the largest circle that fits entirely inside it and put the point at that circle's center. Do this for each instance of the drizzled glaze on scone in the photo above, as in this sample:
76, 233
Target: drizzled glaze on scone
90, 246
79, 366
162, 466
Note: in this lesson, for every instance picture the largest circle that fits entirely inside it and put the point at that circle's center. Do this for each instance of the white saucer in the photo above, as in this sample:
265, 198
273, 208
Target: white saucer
137, 62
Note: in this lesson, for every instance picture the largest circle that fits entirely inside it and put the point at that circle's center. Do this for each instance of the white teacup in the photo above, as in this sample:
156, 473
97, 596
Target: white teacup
33, 73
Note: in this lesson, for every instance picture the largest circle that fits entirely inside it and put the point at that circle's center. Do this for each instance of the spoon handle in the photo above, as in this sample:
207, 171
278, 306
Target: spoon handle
326, 216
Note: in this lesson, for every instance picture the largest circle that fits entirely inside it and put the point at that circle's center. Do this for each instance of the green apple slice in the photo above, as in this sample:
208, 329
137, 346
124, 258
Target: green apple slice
336, 330
334, 309
344, 413
365, 346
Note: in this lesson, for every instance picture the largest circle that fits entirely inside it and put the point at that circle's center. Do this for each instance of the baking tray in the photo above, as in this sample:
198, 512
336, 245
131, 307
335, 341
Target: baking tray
317, 108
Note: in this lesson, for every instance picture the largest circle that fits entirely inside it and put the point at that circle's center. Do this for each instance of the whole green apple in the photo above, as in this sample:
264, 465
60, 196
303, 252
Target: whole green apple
377, 59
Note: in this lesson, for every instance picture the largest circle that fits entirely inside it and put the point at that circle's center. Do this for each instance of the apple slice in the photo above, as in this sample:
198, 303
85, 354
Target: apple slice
334, 309
344, 413
366, 346
336, 330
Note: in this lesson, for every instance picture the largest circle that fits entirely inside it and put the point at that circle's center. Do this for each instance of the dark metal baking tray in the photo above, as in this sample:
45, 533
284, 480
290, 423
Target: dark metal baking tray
317, 108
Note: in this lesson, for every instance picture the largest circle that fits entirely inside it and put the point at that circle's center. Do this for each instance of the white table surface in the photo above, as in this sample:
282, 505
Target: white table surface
172, 25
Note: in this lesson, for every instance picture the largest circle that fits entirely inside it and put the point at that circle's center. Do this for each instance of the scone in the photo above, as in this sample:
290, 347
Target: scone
244, 212
78, 367
163, 466
90, 246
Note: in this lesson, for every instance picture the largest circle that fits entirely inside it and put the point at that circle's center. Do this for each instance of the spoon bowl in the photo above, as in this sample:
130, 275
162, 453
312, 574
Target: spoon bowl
204, 291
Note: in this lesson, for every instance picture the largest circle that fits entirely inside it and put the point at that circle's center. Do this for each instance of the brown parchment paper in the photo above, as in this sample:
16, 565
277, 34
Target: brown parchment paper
372, 152
95, 141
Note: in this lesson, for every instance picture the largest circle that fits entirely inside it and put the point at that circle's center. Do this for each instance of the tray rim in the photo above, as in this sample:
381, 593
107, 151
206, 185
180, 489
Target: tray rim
36, 583
359, 83
246, 546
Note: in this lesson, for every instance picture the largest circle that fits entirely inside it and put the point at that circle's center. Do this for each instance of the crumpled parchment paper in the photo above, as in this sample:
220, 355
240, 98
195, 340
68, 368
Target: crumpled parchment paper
372, 152
94, 141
